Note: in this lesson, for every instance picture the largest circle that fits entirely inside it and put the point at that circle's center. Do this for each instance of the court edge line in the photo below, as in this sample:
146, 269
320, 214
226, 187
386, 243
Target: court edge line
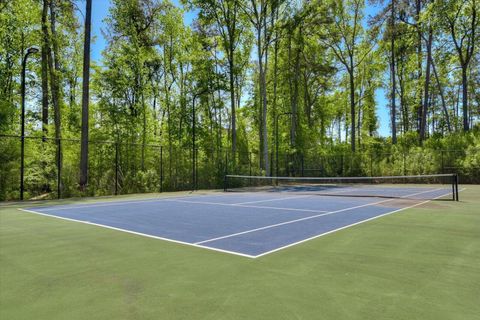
211, 248
348, 226
306, 218
139, 233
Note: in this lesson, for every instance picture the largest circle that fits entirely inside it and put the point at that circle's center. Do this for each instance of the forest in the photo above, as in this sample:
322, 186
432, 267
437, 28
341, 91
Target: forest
255, 87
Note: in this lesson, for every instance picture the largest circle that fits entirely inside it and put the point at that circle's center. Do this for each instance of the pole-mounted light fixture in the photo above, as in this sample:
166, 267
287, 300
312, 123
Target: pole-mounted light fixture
31, 50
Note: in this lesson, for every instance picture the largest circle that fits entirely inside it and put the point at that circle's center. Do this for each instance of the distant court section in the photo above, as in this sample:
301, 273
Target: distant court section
250, 224
385, 187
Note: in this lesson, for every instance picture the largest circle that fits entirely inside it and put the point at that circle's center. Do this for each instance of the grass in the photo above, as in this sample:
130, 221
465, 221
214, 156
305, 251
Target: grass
421, 263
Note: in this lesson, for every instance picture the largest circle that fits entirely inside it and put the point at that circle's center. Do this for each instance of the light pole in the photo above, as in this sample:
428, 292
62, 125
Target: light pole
276, 138
194, 147
30, 50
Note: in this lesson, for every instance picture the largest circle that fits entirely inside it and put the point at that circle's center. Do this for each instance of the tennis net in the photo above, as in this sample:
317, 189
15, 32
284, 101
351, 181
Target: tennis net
418, 187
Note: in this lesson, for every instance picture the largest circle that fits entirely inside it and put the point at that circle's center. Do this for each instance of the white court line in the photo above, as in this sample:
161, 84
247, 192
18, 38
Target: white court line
216, 249
348, 226
308, 218
245, 206
139, 233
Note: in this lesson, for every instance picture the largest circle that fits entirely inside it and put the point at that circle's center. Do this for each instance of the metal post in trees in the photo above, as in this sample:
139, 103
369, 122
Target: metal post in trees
31, 50
194, 176
250, 163
59, 170
161, 168
116, 168
193, 145
85, 96
276, 139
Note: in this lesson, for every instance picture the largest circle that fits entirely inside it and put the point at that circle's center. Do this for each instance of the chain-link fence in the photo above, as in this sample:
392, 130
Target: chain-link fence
123, 167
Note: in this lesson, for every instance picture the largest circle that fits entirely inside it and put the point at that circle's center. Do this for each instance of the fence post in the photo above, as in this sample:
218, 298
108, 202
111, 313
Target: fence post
342, 164
250, 162
456, 186
371, 164
196, 168
22, 166
59, 169
225, 172
443, 164
302, 164
161, 168
271, 165
116, 168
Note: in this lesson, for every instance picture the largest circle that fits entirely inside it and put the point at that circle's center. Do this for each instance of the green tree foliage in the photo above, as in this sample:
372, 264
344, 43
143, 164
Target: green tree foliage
175, 105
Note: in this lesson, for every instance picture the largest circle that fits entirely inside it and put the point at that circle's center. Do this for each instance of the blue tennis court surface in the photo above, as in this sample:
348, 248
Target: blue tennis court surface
247, 224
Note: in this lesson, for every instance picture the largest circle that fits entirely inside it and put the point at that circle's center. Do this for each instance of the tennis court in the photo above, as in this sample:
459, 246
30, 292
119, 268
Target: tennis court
251, 223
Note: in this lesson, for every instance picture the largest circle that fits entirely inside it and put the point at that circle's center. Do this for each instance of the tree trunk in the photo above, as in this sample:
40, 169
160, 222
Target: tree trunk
263, 94
423, 123
465, 97
45, 50
418, 9
352, 104
232, 100
442, 97
54, 67
85, 98
392, 73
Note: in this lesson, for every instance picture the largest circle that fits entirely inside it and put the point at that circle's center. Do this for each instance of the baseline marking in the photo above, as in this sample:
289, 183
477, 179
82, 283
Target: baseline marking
138, 233
222, 250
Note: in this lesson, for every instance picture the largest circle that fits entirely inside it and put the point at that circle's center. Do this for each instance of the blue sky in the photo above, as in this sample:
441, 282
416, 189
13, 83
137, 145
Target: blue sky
100, 12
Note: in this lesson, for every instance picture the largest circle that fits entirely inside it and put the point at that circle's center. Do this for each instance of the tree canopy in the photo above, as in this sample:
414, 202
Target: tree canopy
249, 86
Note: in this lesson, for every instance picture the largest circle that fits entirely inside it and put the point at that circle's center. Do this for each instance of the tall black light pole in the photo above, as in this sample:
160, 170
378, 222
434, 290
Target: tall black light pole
22, 155
276, 138
194, 142
194, 173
